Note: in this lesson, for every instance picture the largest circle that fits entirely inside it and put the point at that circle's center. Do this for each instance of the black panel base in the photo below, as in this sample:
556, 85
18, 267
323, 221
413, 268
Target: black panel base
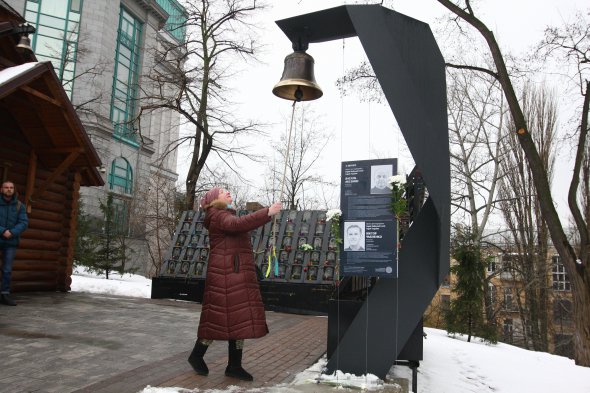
298, 298
341, 314
178, 288
309, 299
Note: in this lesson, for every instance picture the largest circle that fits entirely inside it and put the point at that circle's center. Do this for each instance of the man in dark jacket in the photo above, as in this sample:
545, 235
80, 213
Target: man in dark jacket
13, 221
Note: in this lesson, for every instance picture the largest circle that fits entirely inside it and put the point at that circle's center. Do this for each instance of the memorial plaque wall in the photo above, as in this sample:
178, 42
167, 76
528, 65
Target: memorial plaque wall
306, 252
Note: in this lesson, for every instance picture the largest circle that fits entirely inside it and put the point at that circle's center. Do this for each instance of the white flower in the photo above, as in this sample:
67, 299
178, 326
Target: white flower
333, 213
398, 179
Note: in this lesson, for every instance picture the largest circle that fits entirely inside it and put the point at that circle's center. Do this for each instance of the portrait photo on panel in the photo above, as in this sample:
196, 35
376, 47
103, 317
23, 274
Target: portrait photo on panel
380, 175
354, 236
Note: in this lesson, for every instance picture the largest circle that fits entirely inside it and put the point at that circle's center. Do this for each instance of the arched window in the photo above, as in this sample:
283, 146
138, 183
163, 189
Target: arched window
121, 176
127, 69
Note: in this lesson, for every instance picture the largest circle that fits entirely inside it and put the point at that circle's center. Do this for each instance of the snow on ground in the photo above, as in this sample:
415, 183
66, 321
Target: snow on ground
127, 285
457, 366
450, 365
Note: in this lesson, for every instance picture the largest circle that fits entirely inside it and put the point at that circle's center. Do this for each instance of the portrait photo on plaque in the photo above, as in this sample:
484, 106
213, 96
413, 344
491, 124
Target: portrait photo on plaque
180, 240
380, 175
284, 257
296, 273
315, 257
301, 241
328, 273
184, 267
354, 236
199, 268
299, 257
317, 243
290, 228
319, 229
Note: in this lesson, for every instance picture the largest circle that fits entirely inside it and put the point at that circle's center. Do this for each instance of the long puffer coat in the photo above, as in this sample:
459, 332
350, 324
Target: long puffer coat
232, 306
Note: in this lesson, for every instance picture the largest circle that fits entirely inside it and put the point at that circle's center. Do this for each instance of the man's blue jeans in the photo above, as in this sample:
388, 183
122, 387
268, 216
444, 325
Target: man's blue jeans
7, 259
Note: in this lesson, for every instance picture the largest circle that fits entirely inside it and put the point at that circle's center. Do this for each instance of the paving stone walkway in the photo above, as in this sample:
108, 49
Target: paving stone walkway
76, 342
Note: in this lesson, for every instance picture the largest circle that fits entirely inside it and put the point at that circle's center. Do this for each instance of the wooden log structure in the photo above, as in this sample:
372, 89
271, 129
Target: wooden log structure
46, 152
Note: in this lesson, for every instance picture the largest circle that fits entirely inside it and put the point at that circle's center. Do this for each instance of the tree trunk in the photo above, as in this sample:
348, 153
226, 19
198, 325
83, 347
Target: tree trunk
581, 317
578, 273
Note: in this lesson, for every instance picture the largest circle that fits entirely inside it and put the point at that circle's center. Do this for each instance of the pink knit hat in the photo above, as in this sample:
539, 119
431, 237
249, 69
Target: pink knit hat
210, 196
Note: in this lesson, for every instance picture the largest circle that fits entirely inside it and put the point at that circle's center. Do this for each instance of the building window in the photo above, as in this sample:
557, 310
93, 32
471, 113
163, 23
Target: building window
561, 281
562, 313
507, 262
121, 176
123, 102
115, 216
120, 216
492, 293
76, 6
508, 330
57, 24
445, 302
507, 268
492, 262
176, 23
446, 281
508, 300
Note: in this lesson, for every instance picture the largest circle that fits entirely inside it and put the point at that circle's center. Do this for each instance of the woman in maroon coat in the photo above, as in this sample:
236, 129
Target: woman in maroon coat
232, 305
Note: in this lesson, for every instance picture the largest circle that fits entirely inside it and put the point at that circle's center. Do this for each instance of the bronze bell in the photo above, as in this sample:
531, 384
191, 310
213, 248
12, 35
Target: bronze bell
298, 81
24, 44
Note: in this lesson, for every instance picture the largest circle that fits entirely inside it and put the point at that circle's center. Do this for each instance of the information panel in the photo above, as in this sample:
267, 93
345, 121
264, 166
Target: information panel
369, 229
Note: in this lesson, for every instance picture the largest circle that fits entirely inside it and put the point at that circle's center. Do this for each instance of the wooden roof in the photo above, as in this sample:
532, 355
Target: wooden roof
9, 13
36, 100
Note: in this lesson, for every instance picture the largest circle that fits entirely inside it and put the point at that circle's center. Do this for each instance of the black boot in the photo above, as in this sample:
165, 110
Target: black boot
6, 299
196, 358
234, 365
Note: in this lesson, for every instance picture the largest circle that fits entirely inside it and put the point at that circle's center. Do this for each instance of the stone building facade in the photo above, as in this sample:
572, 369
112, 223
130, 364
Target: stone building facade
102, 51
506, 297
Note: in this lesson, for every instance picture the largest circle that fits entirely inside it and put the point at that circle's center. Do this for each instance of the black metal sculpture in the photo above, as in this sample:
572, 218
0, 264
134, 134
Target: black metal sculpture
410, 69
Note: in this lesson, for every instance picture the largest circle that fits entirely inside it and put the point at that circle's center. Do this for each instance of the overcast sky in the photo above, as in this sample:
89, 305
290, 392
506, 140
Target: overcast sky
362, 130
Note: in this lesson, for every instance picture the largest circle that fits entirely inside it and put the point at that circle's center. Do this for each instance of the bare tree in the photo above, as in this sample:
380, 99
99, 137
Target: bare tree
361, 81
576, 262
155, 214
220, 176
476, 109
475, 123
192, 78
301, 183
522, 214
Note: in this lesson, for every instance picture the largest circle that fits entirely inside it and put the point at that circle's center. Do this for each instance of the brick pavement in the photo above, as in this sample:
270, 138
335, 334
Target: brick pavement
75, 342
